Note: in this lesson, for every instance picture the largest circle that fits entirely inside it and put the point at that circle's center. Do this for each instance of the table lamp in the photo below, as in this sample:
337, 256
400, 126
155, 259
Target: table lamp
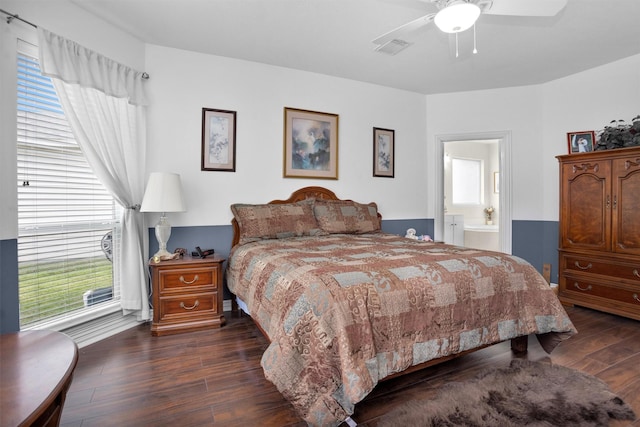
163, 194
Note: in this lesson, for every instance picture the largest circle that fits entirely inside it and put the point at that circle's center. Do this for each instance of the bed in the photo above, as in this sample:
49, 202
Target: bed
345, 305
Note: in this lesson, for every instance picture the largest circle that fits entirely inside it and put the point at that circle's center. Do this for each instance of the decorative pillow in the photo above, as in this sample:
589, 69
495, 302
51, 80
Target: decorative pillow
276, 221
343, 216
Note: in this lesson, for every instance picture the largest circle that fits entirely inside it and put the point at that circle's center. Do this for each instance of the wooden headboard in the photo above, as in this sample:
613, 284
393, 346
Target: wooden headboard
296, 196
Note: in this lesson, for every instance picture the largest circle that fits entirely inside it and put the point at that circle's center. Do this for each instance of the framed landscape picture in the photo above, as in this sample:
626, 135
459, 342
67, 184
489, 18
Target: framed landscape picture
218, 140
310, 144
581, 142
383, 152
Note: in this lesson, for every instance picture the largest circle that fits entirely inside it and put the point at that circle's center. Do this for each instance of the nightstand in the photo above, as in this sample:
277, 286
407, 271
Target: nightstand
187, 295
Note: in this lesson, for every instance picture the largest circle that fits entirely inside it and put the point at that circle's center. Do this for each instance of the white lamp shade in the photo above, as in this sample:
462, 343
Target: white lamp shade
163, 193
457, 17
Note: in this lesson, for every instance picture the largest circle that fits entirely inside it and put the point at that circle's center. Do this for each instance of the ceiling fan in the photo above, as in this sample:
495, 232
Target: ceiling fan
455, 16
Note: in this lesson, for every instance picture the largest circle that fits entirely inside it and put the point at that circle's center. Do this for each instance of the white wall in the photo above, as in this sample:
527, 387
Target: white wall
539, 118
513, 109
182, 83
584, 101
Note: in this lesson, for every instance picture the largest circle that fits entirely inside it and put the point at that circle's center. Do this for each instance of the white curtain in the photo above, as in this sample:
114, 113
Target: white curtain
105, 104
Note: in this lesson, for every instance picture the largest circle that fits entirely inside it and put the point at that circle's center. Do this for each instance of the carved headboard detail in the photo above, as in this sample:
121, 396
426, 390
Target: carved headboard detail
296, 196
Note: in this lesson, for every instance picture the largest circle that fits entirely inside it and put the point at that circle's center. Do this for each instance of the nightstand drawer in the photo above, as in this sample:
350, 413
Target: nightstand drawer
605, 267
188, 277
188, 305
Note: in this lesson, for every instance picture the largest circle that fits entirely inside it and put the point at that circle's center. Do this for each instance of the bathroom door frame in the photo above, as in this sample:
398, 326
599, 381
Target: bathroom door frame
504, 185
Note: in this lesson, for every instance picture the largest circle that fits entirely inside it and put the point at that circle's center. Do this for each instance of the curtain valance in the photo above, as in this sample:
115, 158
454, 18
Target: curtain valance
75, 64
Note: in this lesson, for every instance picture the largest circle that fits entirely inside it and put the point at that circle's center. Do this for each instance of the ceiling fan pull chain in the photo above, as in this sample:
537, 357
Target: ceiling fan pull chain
456, 45
475, 50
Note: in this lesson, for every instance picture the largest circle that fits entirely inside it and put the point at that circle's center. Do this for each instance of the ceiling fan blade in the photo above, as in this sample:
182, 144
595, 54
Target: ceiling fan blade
404, 30
526, 7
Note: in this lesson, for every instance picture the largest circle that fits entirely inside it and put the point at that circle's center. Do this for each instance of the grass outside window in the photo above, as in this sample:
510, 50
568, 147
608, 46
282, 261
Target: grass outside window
49, 289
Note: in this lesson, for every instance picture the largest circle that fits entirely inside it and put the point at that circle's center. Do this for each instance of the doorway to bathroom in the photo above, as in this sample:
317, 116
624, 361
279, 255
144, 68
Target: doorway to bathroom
473, 195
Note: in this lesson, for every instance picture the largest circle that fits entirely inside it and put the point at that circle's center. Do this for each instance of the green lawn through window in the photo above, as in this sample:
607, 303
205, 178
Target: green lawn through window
50, 289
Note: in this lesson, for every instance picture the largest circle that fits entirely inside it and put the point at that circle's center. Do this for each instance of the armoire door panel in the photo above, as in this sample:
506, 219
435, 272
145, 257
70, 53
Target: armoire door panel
587, 206
626, 206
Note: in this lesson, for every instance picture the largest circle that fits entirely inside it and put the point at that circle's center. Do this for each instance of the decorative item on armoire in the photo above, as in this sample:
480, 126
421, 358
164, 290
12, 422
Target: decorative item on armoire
581, 142
619, 134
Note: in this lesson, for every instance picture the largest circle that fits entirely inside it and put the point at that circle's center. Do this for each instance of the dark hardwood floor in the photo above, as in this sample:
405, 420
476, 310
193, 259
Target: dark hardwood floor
214, 377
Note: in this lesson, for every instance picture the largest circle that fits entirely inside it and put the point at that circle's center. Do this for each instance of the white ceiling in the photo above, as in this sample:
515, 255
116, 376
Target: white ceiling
334, 37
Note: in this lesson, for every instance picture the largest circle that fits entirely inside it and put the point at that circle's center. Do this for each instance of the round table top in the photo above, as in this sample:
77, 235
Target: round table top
35, 366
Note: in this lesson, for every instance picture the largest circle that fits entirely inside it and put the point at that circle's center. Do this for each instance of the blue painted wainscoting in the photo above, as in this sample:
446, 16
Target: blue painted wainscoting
9, 305
535, 241
218, 237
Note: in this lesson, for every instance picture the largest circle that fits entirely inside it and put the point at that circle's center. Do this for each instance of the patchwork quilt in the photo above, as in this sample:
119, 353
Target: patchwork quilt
344, 311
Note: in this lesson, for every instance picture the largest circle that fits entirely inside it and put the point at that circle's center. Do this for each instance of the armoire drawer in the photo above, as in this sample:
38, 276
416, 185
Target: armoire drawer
580, 288
605, 267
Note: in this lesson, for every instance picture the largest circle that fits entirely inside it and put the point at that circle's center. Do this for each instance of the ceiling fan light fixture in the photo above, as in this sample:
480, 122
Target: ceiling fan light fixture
457, 17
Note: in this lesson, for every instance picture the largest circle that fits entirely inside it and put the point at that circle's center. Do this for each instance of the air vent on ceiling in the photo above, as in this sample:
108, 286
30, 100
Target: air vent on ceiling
393, 47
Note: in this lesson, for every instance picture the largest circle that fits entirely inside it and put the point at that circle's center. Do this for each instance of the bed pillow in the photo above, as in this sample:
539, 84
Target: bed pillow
276, 221
345, 216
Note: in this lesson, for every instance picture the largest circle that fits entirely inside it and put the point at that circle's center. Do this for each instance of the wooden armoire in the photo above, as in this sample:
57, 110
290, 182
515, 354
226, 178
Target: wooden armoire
599, 249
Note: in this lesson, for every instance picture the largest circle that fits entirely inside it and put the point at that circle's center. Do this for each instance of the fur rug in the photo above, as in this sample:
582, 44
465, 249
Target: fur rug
524, 394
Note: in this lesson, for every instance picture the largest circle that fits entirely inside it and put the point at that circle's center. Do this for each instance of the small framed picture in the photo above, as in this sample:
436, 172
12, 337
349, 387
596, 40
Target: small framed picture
383, 152
581, 142
218, 140
310, 144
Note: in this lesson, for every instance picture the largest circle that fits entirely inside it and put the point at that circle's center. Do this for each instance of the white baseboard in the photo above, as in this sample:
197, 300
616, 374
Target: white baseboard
100, 328
103, 327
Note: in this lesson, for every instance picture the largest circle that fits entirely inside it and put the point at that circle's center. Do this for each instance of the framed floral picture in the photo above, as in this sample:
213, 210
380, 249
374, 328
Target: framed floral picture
218, 140
383, 152
310, 144
581, 142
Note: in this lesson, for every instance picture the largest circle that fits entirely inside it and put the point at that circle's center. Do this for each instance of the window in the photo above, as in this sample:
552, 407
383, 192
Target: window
67, 221
466, 181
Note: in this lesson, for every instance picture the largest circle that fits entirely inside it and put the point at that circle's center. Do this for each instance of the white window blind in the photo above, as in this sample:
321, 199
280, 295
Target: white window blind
67, 220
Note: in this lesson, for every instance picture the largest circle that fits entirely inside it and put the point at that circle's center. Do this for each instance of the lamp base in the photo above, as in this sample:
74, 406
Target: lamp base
162, 253
163, 232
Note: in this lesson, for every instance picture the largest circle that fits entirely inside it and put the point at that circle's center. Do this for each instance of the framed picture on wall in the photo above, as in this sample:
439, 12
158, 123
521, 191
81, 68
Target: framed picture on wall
310, 144
581, 142
218, 140
383, 152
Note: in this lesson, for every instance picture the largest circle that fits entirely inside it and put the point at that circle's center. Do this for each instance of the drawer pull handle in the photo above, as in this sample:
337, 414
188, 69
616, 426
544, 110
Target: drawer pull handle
577, 263
576, 285
635, 272
195, 304
195, 279
635, 297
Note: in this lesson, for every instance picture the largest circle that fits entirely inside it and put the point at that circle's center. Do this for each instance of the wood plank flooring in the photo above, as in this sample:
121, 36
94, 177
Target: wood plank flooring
215, 378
